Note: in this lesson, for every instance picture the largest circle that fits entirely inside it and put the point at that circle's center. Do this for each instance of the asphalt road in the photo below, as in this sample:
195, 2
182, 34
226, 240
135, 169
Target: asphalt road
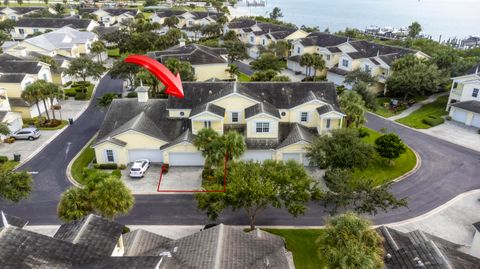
447, 170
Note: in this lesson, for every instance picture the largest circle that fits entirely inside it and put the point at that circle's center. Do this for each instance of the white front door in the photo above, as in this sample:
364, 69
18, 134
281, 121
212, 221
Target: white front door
153, 155
257, 155
186, 159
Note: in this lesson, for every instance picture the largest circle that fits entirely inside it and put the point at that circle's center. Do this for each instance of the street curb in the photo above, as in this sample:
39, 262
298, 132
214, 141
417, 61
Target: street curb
417, 166
435, 210
68, 172
61, 130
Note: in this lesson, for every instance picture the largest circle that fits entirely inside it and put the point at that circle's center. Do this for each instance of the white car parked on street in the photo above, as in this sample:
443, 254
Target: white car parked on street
139, 167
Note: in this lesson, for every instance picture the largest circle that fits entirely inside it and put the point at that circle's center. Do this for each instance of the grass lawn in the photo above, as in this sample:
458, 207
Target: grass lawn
8, 166
85, 158
302, 244
115, 53
89, 91
436, 109
382, 110
379, 170
147, 14
243, 77
187, 8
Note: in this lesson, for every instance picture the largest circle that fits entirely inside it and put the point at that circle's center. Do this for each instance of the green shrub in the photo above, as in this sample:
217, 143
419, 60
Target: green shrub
363, 133
67, 84
433, 121
122, 167
80, 89
125, 230
117, 173
80, 96
132, 95
70, 92
448, 118
3, 159
109, 166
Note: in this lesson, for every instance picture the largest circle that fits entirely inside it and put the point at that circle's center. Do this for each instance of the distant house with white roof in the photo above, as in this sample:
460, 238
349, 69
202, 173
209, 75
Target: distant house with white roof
29, 26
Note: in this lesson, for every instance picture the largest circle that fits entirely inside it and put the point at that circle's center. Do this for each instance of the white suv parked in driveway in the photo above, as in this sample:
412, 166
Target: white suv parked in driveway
26, 133
139, 168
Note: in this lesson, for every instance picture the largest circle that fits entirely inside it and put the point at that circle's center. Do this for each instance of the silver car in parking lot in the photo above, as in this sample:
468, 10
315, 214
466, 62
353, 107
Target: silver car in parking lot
26, 133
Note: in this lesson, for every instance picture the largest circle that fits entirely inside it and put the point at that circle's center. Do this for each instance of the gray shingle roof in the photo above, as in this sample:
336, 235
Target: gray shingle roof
338, 71
367, 49
141, 243
124, 110
477, 226
186, 136
11, 220
193, 53
241, 23
14, 65
220, 111
97, 234
279, 94
260, 108
142, 124
18, 102
11, 78
410, 250
53, 23
25, 249
474, 70
322, 40
24, 10
111, 11
297, 134
471, 105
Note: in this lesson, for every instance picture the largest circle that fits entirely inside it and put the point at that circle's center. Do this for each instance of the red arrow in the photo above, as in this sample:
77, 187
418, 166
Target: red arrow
173, 84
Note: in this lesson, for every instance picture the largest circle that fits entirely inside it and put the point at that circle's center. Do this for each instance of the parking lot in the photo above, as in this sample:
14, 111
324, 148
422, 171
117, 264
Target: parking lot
177, 179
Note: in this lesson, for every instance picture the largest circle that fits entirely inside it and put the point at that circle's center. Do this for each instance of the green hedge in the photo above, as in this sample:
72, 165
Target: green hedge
3, 159
132, 95
80, 96
70, 92
109, 166
433, 121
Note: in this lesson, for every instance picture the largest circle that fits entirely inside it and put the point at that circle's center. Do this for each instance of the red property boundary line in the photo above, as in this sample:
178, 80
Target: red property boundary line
193, 191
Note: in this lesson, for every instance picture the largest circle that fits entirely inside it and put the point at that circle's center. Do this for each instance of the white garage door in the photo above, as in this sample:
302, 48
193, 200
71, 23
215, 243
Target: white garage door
186, 159
459, 115
292, 156
15, 125
476, 120
153, 155
257, 155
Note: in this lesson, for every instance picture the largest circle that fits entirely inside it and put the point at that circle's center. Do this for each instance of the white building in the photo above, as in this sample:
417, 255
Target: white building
464, 100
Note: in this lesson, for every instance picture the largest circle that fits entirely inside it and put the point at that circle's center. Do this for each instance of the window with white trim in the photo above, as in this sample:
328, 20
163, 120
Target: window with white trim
207, 124
21, 31
234, 116
298, 50
475, 93
263, 127
252, 39
328, 57
304, 117
328, 123
345, 63
109, 154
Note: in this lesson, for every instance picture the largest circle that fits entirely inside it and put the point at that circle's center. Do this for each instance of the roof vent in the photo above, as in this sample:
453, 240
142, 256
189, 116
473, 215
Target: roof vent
210, 92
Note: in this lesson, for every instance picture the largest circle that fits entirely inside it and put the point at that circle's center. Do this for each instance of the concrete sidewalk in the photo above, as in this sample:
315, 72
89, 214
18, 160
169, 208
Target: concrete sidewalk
417, 105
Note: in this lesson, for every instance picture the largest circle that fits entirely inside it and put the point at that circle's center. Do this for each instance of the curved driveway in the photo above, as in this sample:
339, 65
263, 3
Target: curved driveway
447, 170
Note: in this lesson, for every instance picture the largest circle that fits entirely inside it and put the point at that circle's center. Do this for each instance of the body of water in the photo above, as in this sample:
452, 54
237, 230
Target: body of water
449, 18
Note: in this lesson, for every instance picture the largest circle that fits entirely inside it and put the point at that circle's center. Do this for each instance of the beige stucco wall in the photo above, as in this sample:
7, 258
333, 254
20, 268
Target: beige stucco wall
198, 123
295, 113
234, 103
294, 148
207, 71
119, 153
251, 127
136, 140
175, 113
182, 147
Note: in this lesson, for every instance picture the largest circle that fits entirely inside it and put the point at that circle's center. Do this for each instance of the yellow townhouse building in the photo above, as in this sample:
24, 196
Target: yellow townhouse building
277, 119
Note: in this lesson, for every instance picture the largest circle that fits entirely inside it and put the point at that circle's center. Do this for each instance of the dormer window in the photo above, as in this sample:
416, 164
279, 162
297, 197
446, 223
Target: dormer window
475, 93
345, 63
263, 127
252, 39
298, 50
304, 117
234, 116
328, 57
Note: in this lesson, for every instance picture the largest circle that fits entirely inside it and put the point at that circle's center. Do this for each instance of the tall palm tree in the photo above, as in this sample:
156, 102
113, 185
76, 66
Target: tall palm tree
98, 48
233, 70
307, 61
32, 95
45, 91
203, 142
317, 63
56, 93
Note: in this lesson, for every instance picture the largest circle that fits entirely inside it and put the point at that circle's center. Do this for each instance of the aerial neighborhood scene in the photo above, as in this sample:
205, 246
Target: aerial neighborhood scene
225, 134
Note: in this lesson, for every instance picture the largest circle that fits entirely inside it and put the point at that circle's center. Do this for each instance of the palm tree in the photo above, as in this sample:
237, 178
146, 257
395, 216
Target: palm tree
233, 146
32, 95
106, 99
45, 91
98, 48
112, 198
233, 70
74, 204
307, 61
203, 142
414, 29
349, 242
171, 21
56, 93
317, 63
